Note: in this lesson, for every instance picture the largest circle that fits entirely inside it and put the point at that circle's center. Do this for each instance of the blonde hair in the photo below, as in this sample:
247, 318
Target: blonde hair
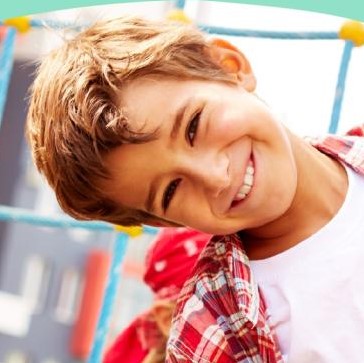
73, 120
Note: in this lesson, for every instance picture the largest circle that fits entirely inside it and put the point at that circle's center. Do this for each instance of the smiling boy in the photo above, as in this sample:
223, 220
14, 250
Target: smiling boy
155, 124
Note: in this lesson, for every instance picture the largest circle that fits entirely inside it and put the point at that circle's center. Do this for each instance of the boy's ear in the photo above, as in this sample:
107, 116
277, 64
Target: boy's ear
233, 61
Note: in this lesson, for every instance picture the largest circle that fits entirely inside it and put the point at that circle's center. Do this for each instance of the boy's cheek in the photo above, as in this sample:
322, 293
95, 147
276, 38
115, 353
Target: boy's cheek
198, 216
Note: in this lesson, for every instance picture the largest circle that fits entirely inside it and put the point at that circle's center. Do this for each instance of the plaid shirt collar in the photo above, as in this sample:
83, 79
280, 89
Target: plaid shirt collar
220, 315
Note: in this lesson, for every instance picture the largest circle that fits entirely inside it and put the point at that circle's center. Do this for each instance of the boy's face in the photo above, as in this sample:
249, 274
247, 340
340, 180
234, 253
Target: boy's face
220, 162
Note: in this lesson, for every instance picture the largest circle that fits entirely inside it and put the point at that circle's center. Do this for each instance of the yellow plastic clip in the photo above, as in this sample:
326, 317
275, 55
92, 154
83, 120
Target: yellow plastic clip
21, 23
133, 231
178, 15
353, 30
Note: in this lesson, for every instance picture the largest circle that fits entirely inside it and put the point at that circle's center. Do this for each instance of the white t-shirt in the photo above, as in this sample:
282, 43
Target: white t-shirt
315, 290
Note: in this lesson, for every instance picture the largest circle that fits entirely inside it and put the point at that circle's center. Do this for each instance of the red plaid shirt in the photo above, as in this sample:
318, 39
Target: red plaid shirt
220, 315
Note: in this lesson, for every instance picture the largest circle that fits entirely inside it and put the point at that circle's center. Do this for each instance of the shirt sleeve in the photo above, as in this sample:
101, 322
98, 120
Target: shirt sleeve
219, 315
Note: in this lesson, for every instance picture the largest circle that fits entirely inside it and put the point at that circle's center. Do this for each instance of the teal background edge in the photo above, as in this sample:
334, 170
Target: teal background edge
352, 9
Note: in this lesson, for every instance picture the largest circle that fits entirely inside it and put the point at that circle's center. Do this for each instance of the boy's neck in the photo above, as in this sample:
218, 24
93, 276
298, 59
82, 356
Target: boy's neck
321, 190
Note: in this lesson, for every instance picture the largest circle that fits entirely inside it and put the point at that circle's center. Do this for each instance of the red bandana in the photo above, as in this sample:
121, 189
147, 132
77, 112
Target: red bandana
169, 263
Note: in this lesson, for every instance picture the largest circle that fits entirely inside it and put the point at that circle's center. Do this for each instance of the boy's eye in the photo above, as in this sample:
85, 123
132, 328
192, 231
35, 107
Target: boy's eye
192, 127
169, 193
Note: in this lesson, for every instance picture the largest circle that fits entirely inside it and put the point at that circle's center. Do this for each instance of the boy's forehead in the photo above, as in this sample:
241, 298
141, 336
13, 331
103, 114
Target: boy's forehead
148, 101
126, 167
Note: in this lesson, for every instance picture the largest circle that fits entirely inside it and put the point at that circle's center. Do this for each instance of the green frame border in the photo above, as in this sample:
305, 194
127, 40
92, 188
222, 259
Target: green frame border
352, 9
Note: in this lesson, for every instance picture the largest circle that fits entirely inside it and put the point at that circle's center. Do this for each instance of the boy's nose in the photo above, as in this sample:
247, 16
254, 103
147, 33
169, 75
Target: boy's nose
210, 173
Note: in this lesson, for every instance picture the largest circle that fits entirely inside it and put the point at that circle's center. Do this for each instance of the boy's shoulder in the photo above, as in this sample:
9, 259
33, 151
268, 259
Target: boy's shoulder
220, 316
348, 149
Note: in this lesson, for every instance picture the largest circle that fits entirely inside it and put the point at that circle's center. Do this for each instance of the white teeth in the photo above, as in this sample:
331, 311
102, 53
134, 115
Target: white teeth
239, 197
250, 170
245, 189
248, 183
248, 179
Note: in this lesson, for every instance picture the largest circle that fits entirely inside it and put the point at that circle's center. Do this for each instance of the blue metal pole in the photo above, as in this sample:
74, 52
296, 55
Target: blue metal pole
22, 215
340, 86
6, 65
269, 34
180, 4
109, 298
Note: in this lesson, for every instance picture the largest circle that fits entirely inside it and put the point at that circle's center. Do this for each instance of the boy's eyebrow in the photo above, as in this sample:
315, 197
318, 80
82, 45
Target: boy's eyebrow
178, 119
177, 122
150, 203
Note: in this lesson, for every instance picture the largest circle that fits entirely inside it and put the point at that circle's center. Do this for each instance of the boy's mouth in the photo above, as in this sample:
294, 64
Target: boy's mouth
247, 185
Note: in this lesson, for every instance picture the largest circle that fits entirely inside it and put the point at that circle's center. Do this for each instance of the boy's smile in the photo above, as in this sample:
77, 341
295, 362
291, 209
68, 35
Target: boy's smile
246, 186
219, 161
